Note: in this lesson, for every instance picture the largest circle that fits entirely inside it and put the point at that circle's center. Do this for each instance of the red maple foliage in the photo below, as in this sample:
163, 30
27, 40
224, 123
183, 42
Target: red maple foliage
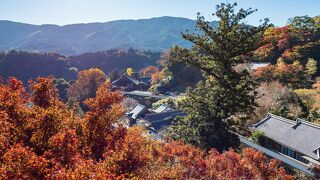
40, 138
148, 71
294, 75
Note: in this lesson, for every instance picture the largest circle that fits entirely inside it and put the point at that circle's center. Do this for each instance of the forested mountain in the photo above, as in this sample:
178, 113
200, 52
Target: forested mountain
114, 60
26, 65
149, 34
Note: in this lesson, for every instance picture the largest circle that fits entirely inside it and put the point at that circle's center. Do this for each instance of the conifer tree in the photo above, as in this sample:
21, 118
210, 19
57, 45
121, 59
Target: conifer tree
225, 93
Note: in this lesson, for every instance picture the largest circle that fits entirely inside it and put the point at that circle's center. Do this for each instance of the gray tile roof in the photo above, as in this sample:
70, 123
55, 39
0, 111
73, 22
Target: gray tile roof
144, 94
145, 80
137, 111
163, 108
160, 125
155, 117
160, 121
300, 135
125, 76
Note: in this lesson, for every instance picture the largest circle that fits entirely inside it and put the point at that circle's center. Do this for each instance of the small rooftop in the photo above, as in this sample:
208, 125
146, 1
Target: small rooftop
125, 76
155, 117
256, 65
144, 94
137, 111
163, 108
145, 80
157, 122
299, 135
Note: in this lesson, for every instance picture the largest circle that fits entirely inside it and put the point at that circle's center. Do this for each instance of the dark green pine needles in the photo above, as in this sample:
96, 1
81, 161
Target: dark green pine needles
225, 93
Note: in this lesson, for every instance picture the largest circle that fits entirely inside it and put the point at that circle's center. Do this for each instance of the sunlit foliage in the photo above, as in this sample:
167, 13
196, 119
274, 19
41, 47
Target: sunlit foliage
87, 84
40, 138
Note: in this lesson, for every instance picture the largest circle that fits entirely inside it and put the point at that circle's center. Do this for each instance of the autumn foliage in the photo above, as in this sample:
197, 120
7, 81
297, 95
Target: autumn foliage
41, 138
297, 40
292, 74
148, 71
87, 84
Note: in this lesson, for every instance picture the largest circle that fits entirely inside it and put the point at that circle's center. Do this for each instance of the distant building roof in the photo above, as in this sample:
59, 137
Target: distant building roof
156, 122
125, 77
256, 65
159, 126
156, 117
145, 80
137, 111
160, 121
163, 108
144, 94
299, 135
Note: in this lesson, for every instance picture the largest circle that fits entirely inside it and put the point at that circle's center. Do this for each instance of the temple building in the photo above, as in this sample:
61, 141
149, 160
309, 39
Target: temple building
126, 83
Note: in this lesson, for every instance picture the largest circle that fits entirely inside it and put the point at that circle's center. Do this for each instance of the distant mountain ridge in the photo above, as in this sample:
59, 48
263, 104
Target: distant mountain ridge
155, 34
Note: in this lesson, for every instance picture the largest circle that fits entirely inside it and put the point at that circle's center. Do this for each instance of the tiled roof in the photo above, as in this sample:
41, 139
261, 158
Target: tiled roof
163, 108
160, 121
136, 82
144, 94
256, 65
145, 80
160, 125
155, 117
137, 111
299, 135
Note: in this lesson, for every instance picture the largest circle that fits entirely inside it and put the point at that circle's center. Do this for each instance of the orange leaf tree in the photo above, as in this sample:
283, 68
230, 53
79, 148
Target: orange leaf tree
41, 138
149, 71
22, 163
87, 84
104, 110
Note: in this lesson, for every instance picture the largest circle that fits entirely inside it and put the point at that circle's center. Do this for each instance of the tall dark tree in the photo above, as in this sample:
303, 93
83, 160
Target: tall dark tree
225, 93
183, 76
62, 85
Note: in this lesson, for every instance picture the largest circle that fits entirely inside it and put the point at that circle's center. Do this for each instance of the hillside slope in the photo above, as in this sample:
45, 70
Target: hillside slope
30, 65
154, 34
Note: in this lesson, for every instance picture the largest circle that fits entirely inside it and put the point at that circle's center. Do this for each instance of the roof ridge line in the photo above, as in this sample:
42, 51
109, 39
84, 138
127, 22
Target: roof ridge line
175, 111
262, 121
309, 123
282, 118
294, 121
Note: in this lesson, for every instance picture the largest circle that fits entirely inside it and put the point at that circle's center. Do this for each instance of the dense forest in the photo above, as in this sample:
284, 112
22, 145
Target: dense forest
30, 65
114, 60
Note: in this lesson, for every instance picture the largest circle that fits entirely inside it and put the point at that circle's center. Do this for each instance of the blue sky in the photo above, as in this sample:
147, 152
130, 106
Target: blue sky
63, 12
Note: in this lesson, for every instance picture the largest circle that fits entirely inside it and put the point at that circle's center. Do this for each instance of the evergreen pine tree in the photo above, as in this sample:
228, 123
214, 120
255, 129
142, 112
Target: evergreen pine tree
225, 93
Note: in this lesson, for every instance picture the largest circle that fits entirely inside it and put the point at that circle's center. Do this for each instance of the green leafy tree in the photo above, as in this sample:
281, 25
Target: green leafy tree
183, 76
225, 93
303, 23
311, 67
258, 137
317, 21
